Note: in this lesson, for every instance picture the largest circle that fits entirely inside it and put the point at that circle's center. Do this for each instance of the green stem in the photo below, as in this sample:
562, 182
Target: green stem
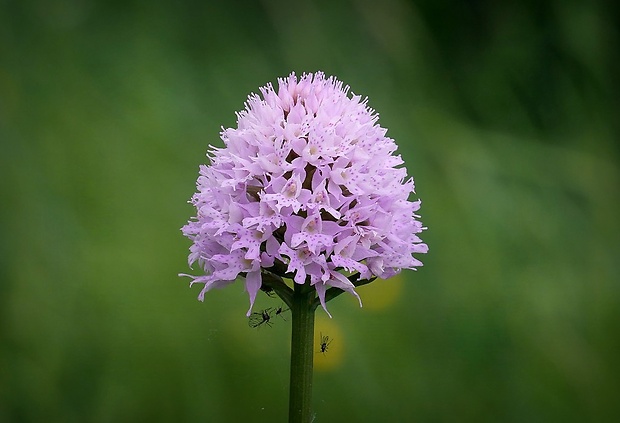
276, 283
302, 354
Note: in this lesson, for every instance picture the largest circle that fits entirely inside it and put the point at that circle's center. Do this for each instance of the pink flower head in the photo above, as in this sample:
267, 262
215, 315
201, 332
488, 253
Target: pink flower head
308, 179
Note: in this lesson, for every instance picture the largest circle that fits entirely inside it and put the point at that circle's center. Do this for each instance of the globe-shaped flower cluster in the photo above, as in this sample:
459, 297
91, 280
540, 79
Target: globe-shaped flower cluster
308, 183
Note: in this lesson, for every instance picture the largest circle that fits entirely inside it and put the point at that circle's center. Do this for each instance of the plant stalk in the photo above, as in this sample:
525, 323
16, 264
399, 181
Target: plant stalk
302, 354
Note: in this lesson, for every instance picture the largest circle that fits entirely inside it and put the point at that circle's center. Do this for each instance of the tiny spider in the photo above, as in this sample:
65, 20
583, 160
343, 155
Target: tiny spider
325, 341
258, 318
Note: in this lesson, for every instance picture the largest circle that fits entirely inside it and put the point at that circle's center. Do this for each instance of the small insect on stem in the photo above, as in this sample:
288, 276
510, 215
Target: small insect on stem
280, 312
259, 318
325, 341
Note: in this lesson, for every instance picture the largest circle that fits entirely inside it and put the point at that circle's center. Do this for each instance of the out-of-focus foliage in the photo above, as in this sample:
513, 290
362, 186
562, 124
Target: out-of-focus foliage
506, 115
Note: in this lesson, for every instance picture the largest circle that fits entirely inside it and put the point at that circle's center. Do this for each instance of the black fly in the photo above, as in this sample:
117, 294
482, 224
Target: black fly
259, 318
325, 341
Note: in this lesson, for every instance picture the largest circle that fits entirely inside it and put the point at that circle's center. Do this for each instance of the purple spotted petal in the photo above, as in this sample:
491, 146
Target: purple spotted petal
308, 178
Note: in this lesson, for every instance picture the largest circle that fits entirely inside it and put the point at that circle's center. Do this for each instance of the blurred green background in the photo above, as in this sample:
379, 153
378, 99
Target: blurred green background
504, 113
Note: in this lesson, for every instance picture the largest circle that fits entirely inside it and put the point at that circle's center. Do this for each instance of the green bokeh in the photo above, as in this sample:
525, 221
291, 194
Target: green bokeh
504, 114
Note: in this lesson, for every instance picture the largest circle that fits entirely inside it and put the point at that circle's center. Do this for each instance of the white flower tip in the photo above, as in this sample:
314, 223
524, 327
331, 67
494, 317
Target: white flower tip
328, 313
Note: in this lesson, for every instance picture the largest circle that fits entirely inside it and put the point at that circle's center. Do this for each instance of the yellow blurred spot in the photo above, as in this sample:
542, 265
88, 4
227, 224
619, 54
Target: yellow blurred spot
382, 293
332, 357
